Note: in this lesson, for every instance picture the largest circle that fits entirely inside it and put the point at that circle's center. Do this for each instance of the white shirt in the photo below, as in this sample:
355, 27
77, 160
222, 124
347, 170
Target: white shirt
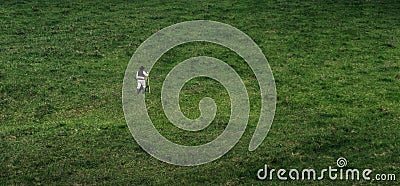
140, 77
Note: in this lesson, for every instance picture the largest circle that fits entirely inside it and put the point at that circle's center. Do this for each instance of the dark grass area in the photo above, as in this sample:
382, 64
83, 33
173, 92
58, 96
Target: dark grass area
336, 66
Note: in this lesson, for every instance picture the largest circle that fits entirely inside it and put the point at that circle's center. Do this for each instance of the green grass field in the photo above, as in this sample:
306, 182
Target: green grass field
336, 65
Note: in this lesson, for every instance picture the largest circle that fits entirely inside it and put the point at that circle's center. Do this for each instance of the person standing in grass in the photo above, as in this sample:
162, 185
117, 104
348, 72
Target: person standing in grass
141, 82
